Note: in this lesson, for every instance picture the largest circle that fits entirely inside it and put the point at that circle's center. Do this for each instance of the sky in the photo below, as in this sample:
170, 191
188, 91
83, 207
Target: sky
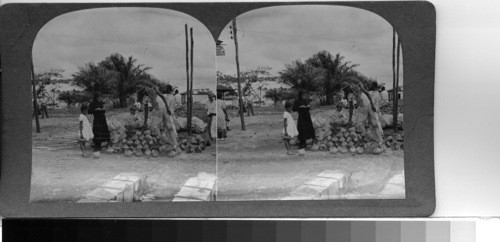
276, 36
155, 37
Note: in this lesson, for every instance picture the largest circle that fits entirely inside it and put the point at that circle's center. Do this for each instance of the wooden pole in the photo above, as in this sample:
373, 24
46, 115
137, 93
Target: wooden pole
394, 84
235, 37
396, 91
187, 78
35, 102
191, 84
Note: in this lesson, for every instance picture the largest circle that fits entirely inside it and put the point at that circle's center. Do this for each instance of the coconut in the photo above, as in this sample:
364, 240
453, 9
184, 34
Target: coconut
399, 138
355, 139
147, 152
137, 142
302, 152
348, 139
309, 141
352, 129
346, 135
124, 141
197, 149
147, 132
138, 152
151, 143
323, 147
130, 142
138, 133
330, 144
125, 147
189, 149
344, 144
343, 130
182, 147
184, 141
128, 153
339, 135
148, 138
329, 138
359, 150
315, 147
110, 150
344, 150
194, 141
199, 138
342, 139
352, 149
96, 154
146, 147
394, 146
155, 153
350, 144
335, 139
377, 150
333, 150
172, 154
353, 135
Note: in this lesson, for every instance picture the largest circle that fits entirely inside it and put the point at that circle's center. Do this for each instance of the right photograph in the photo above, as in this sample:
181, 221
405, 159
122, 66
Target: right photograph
309, 106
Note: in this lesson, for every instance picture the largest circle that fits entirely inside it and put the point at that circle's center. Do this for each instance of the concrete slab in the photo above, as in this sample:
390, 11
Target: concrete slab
201, 182
195, 193
321, 182
312, 192
126, 186
334, 174
106, 194
185, 199
91, 200
138, 179
296, 197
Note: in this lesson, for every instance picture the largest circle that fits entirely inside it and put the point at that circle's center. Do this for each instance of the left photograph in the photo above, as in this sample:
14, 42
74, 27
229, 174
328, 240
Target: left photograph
123, 108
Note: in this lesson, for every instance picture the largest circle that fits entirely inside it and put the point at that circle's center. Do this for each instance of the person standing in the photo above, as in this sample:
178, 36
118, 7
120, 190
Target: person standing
289, 127
384, 95
222, 118
249, 101
212, 113
43, 106
169, 96
304, 122
377, 102
100, 125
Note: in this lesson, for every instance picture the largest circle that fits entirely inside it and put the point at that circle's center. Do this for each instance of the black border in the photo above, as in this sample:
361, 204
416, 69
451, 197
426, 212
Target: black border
415, 22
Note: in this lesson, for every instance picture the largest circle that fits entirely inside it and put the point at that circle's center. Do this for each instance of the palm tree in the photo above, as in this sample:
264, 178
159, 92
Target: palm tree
126, 76
93, 78
335, 71
302, 75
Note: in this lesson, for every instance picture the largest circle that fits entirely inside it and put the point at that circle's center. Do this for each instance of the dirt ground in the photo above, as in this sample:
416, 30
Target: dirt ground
253, 164
60, 173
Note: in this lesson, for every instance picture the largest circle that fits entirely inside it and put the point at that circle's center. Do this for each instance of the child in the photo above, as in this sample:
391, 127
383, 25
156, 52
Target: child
289, 127
85, 133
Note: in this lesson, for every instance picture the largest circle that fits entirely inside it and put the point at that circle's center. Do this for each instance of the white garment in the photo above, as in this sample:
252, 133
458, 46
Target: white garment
86, 129
291, 127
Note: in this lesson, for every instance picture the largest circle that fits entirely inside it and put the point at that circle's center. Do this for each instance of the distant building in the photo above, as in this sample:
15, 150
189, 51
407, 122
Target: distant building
391, 93
199, 95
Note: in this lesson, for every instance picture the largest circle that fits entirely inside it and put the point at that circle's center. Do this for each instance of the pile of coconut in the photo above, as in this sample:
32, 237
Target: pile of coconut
353, 140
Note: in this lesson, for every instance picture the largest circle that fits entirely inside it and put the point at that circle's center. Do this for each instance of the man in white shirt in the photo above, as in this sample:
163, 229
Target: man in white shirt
249, 101
384, 95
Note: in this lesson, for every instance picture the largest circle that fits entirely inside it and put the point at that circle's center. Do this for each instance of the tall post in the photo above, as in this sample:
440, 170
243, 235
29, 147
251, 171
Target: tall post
240, 98
35, 102
396, 91
187, 79
394, 84
191, 84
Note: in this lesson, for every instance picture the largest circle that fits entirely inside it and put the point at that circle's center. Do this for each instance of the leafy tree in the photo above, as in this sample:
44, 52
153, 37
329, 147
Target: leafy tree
334, 70
247, 77
302, 75
126, 76
45, 79
93, 78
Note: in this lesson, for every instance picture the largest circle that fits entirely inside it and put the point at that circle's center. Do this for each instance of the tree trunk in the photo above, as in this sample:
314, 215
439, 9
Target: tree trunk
235, 36
35, 102
187, 78
190, 117
396, 91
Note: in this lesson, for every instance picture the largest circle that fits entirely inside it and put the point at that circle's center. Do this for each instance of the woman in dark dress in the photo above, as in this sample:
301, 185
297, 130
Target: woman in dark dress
100, 126
304, 123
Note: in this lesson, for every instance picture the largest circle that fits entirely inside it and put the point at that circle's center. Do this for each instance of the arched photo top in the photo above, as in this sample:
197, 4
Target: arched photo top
277, 36
154, 37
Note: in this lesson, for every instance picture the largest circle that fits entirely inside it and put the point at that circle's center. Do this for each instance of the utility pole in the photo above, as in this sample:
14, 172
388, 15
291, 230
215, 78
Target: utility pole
187, 80
396, 90
235, 36
35, 102
191, 84
394, 87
